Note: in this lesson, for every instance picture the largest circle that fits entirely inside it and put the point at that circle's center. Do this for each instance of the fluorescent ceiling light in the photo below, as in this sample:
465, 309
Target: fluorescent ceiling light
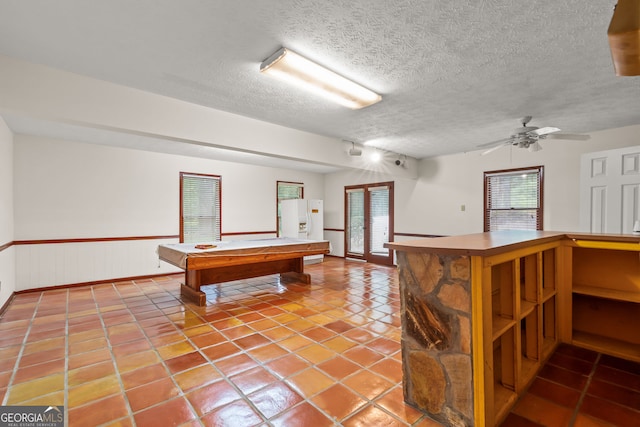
290, 66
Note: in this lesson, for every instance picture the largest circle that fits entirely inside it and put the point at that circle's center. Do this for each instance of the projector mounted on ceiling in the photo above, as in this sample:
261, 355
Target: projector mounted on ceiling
353, 151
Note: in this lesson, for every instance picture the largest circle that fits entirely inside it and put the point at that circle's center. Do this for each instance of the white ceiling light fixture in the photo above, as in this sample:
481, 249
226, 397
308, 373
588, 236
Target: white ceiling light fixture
289, 66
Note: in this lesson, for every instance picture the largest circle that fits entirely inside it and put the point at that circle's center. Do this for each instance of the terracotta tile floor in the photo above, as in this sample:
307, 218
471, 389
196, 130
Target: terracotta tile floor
581, 388
261, 353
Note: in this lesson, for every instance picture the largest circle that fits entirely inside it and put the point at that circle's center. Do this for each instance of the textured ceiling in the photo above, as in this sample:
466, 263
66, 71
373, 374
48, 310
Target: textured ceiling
452, 74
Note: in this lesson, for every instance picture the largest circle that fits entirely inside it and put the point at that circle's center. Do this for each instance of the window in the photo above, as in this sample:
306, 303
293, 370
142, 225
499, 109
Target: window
200, 207
513, 199
287, 190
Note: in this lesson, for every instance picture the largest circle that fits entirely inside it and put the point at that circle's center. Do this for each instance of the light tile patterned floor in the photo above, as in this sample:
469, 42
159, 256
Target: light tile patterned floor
261, 353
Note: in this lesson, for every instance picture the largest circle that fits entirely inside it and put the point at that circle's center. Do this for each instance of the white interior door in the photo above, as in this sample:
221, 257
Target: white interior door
610, 190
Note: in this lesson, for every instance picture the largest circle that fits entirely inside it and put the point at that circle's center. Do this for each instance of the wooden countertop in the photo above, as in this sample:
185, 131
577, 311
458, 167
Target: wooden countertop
491, 243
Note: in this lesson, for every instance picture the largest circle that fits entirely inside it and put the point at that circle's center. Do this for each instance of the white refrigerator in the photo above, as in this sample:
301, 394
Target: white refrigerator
303, 219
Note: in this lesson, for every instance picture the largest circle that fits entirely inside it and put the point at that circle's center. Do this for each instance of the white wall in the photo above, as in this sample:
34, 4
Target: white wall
70, 190
432, 203
7, 256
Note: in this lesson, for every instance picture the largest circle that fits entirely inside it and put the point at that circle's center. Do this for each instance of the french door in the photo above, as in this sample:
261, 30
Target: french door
369, 222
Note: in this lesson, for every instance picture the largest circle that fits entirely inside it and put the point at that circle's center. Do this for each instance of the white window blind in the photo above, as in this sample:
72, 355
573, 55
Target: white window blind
289, 190
200, 210
378, 219
355, 221
513, 200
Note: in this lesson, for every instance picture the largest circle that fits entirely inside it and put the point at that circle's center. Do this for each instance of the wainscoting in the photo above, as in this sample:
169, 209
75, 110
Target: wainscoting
40, 265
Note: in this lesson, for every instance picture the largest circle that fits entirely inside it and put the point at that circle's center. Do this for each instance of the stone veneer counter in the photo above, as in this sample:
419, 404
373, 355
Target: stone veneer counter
480, 314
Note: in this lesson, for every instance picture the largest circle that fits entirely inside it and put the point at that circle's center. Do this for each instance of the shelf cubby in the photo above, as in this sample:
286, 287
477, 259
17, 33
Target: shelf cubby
530, 339
606, 269
549, 326
549, 263
610, 319
606, 298
502, 298
504, 371
529, 290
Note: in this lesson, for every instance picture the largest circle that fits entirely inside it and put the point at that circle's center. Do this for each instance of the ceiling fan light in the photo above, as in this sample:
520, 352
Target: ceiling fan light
298, 70
624, 38
529, 136
534, 147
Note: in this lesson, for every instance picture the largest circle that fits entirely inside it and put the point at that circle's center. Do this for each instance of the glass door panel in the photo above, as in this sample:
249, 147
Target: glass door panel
355, 222
378, 220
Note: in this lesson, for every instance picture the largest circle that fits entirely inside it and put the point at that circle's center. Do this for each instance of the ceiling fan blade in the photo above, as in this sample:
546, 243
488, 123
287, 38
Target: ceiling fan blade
544, 131
491, 150
499, 141
570, 136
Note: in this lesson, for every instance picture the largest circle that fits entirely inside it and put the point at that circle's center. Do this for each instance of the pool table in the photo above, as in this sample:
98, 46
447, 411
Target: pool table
223, 261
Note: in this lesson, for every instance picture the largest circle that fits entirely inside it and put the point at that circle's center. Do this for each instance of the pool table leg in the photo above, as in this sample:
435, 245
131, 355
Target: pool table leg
191, 288
295, 272
293, 276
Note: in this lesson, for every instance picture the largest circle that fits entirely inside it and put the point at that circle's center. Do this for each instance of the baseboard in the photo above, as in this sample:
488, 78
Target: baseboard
6, 304
96, 282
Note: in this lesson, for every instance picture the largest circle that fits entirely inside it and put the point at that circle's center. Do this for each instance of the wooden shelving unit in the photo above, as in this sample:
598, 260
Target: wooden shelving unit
529, 292
523, 323
605, 299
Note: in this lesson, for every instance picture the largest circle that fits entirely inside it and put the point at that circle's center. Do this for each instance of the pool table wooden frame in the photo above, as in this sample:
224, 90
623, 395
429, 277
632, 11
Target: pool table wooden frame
241, 259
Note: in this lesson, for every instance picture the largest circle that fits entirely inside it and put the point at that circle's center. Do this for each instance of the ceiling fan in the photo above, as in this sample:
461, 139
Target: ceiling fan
529, 137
